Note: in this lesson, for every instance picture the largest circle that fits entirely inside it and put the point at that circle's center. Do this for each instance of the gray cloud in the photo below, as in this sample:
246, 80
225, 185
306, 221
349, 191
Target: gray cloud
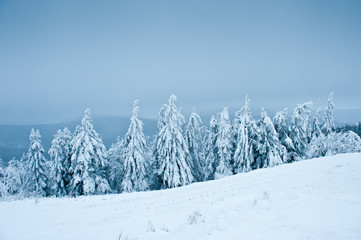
58, 58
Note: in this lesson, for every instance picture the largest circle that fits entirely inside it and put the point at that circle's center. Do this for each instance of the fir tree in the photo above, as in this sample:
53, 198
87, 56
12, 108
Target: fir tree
210, 149
329, 124
334, 143
346, 142
270, 152
162, 116
88, 161
154, 144
223, 143
281, 126
14, 177
116, 162
324, 140
317, 146
67, 137
3, 188
136, 168
316, 127
37, 166
243, 154
299, 130
171, 150
194, 141
60, 156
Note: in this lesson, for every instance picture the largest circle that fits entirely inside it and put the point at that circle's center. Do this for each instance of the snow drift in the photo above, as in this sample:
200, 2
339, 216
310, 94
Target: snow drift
313, 199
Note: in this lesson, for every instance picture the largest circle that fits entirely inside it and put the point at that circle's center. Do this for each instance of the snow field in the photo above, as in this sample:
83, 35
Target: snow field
313, 199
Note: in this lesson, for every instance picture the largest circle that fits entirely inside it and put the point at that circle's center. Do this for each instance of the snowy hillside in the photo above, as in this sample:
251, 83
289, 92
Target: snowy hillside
314, 199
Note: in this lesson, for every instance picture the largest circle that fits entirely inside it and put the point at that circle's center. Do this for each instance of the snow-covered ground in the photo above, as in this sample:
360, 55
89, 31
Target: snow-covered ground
314, 199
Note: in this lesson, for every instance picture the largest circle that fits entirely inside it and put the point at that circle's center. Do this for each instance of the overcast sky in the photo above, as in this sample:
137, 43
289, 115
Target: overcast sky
59, 57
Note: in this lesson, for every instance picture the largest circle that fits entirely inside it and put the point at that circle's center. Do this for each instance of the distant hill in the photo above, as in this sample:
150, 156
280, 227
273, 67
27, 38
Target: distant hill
14, 139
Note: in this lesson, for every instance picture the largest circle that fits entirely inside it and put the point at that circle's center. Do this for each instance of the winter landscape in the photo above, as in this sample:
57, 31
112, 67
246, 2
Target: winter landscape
274, 186
180, 120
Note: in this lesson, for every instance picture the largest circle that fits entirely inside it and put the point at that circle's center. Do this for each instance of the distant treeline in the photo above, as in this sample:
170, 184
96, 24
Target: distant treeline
356, 128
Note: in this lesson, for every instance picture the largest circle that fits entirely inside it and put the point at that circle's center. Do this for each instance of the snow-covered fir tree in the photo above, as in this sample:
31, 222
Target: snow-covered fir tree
347, 142
3, 188
162, 116
334, 143
37, 166
223, 166
269, 150
14, 178
317, 145
17, 177
242, 128
316, 126
136, 167
60, 153
300, 128
325, 141
173, 161
67, 137
281, 126
116, 164
328, 122
194, 136
89, 164
154, 147
210, 149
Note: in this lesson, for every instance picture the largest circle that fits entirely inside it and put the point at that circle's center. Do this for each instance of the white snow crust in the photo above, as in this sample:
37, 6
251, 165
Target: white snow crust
313, 199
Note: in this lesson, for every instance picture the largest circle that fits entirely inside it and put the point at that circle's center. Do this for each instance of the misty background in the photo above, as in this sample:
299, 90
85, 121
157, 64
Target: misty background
58, 58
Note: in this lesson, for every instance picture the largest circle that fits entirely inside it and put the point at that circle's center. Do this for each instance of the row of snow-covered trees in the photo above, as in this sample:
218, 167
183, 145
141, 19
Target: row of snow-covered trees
179, 154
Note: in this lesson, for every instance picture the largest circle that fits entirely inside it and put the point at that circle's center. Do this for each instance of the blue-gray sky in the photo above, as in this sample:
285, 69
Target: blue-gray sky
59, 57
